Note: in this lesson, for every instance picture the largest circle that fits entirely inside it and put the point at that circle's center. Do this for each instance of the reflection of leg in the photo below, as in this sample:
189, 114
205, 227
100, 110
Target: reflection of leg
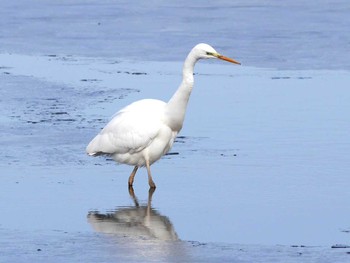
133, 196
150, 194
132, 176
150, 180
149, 204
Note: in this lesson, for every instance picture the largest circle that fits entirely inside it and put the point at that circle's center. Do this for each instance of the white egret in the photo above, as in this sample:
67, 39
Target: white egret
142, 132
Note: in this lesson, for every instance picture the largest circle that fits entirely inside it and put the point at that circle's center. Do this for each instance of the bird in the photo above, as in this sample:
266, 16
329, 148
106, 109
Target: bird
142, 132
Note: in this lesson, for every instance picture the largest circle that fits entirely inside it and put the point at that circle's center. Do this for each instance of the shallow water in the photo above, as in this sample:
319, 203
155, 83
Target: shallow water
276, 174
288, 34
259, 172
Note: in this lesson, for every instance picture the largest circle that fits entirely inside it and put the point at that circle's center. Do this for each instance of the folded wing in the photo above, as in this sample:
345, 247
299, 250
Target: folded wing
131, 130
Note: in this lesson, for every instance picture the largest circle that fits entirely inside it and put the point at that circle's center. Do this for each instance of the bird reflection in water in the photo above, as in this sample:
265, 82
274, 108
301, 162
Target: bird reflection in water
135, 221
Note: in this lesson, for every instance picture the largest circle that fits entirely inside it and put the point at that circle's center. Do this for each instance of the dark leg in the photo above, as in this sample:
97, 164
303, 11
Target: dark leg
132, 176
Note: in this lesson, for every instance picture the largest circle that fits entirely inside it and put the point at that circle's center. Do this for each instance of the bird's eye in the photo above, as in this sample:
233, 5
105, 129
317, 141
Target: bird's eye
210, 54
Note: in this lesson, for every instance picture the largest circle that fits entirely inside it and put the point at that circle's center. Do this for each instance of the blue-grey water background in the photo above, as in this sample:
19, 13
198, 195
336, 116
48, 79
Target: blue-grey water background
274, 34
263, 158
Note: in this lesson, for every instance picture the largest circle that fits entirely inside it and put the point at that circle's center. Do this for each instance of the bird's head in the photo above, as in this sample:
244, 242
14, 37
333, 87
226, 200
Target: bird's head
206, 51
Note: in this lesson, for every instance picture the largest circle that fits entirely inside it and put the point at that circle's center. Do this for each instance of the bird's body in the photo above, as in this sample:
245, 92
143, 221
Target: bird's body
136, 133
142, 132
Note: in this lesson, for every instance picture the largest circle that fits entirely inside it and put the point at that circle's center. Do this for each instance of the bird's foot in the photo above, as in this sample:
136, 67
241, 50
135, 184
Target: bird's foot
151, 184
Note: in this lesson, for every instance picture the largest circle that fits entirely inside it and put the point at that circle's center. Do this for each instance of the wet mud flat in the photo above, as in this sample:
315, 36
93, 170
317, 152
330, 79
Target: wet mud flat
57, 246
262, 159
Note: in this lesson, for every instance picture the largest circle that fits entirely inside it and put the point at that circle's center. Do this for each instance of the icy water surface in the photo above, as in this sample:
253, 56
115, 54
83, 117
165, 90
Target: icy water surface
256, 162
259, 173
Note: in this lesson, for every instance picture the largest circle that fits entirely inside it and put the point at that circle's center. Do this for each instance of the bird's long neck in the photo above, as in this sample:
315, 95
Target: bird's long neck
176, 107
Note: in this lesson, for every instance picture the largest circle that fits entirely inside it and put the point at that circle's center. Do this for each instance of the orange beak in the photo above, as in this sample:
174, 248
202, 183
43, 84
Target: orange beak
228, 59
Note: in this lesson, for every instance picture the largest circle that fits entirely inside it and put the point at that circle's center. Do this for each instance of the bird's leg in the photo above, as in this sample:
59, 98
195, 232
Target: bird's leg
150, 180
132, 176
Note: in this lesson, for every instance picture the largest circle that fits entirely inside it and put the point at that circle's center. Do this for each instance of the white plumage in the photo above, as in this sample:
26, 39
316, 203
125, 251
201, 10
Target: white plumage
142, 132
135, 128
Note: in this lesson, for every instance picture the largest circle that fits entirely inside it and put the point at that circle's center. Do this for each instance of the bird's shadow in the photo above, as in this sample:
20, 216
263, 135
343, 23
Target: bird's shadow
139, 220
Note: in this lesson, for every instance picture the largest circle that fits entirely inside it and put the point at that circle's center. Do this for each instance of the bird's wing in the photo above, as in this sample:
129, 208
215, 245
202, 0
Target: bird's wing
131, 130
